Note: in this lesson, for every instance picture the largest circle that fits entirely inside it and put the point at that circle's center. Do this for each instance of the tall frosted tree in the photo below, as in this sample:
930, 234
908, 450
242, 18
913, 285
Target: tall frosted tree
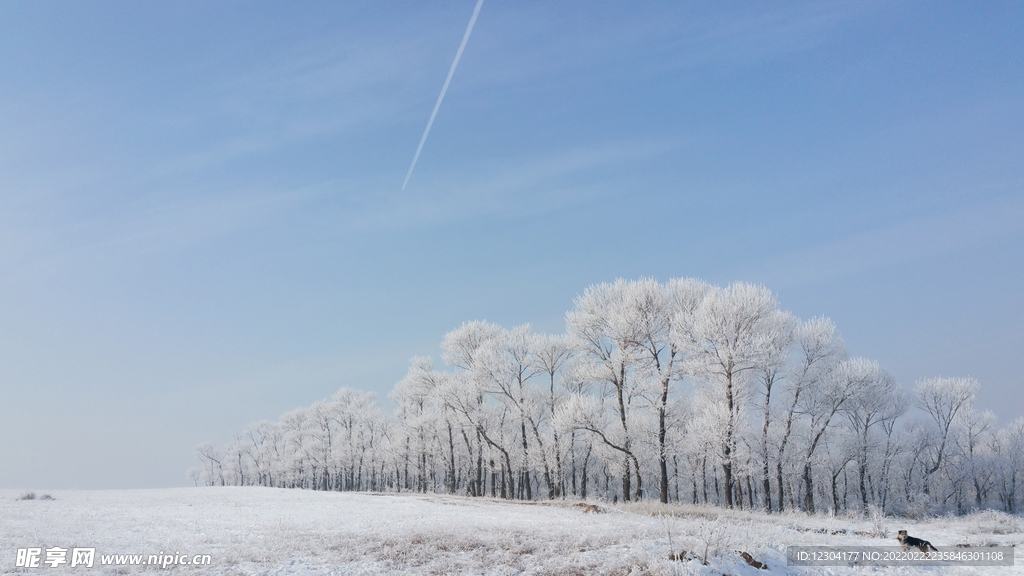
892, 445
461, 349
818, 350
870, 405
507, 363
605, 330
569, 417
661, 312
1008, 447
772, 369
820, 404
731, 333
943, 399
976, 429
552, 352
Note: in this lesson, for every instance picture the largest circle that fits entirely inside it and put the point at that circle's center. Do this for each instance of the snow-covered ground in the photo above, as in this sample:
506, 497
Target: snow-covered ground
265, 531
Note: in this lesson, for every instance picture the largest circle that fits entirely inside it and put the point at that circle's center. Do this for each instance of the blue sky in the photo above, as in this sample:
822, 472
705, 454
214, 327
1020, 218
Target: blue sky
201, 221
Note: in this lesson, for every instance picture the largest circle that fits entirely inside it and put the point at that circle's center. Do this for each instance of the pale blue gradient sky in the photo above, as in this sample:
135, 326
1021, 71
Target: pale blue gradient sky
201, 222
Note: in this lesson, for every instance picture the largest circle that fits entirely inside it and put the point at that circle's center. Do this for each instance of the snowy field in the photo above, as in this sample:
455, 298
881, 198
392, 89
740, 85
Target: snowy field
265, 531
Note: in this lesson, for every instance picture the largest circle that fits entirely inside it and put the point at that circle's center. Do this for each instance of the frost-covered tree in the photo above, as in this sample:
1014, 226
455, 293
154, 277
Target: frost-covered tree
729, 340
567, 419
976, 427
462, 348
870, 404
818, 350
821, 404
507, 363
771, 370
604, 328
263, 448
412, 394
213, 463
892, 444
840, 452
552, 352
1008, 448
663, 314
943, 399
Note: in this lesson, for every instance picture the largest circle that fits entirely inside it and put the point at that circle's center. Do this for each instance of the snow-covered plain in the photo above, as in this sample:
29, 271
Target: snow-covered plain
266, 531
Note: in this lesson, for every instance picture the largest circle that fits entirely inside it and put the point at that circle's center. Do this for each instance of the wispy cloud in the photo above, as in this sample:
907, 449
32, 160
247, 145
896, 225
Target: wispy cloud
151, 227
757, 34
512, 187
169, 221
972, 228
533, 42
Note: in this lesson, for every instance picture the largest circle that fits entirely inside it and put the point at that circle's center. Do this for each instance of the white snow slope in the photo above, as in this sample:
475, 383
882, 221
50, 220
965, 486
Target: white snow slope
265, 531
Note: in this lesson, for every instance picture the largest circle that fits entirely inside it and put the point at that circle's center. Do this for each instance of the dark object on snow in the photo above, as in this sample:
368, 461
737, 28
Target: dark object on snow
750, 560
685, 556
909, 542
32, 496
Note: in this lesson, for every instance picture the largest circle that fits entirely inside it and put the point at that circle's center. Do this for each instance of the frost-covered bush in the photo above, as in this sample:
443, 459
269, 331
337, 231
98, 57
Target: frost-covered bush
993, 522
919, 506
877, 517
714, 537
27, 496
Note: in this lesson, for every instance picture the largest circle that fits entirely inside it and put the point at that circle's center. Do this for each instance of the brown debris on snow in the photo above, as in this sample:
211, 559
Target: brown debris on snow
588, 508
750, 560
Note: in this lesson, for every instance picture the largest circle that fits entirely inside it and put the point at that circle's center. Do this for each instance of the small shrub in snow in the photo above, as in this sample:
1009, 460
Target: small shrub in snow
994, 522
877, 517
27, 496
46, 497
714, 536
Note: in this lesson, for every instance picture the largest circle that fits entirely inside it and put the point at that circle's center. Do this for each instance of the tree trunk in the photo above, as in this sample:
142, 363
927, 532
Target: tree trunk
526, 462
572, 456
808, 489
765, 470
619, 389
583, 479
625, 478
704, 477
451, 463
727, 451
662, 452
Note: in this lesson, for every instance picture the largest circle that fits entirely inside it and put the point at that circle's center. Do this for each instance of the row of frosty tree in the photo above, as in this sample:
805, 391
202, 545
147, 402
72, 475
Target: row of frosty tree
691, 392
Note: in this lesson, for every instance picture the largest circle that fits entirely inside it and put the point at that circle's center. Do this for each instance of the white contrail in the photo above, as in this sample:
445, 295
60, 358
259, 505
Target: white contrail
451, 71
